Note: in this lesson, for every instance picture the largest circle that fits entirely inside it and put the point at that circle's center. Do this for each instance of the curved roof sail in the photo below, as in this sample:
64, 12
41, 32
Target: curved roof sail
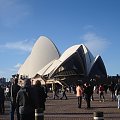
88, 57
69, 61
76, 60
24, 69
97, 68
43, 52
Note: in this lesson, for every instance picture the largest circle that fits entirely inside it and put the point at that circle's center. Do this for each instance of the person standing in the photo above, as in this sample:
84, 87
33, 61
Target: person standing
7, 93
87, 93
39, 97
25, 101
2, 99
117, 88
14, 90
79, 93
112, 90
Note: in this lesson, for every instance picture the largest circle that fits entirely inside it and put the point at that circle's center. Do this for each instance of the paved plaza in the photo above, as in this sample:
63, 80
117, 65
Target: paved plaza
67, 109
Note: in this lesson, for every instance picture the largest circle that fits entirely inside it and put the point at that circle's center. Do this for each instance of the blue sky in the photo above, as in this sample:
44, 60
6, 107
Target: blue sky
95, 23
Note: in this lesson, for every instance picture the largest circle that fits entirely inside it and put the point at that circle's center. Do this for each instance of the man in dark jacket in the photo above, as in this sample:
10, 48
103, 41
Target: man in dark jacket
2, 99
112, 90
39, 96
25, 101
88, 91
14, 90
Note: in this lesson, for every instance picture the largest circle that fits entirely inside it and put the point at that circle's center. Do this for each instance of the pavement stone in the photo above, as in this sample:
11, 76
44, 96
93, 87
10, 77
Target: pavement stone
68, 110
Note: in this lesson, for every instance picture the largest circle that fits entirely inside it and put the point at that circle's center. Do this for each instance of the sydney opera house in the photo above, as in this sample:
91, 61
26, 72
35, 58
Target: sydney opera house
47, 64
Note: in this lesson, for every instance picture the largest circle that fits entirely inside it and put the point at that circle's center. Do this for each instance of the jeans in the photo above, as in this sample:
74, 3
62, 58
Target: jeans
118, 101
79, 101
13, 108
87, 98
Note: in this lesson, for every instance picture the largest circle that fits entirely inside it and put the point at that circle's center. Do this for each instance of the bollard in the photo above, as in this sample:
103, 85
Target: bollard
98, 115
39, 114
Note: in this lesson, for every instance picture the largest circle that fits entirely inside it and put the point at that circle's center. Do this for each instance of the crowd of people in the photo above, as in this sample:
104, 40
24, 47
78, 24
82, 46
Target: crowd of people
24, 100
87, 90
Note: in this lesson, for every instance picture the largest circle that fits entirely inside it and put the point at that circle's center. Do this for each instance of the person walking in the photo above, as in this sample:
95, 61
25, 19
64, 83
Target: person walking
101, 93
55, 91
79, 93
64, 89
25, 101
14, 90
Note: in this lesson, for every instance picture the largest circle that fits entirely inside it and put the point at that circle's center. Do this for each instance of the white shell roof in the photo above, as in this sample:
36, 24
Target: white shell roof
55, 64
24, 69
44, 69
43, 52
93, 62
88, 57
45, 58
70, 51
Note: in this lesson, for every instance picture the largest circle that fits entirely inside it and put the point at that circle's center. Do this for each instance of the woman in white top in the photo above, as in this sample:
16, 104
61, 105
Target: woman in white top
79, 92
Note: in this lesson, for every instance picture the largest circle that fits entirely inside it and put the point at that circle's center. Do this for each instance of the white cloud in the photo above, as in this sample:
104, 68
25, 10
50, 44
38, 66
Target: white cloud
18, 65
88, 27
95, 44
19, 45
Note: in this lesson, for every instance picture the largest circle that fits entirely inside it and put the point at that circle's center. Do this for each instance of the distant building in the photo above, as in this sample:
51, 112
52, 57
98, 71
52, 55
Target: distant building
2, 81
